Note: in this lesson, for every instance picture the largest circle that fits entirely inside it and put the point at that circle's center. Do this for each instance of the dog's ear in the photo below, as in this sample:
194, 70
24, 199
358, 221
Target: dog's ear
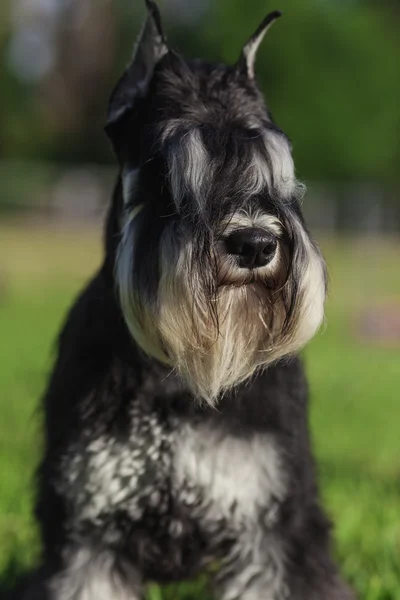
248, 56
134, 83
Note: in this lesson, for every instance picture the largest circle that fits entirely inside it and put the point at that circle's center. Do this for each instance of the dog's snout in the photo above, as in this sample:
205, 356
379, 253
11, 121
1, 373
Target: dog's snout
252, 247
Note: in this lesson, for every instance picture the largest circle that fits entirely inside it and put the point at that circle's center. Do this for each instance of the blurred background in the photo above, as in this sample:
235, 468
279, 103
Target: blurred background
330, 72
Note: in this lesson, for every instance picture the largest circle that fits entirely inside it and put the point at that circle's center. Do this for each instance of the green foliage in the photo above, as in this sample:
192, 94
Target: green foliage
329, 70
330, 74
354, 418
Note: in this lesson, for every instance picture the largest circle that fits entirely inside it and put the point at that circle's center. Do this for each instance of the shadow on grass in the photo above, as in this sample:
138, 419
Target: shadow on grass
11, 577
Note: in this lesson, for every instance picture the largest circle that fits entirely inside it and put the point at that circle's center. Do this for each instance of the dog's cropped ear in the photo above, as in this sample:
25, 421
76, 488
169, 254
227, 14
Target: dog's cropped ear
134, 83
247, 58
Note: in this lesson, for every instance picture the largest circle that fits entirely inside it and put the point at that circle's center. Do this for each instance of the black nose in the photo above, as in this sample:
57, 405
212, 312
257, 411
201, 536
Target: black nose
252, 247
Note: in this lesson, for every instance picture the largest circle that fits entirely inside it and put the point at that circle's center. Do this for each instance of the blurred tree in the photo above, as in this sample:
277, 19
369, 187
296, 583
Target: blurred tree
73, 93
330, 74
329, 70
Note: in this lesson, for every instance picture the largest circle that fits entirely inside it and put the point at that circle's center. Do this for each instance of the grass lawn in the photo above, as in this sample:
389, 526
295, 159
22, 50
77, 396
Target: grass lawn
355, 415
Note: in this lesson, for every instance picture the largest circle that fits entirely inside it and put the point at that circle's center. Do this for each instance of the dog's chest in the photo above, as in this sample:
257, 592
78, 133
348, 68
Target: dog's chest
171, 471
227, 479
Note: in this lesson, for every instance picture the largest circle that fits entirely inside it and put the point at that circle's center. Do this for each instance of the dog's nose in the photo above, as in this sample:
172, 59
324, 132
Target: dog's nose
253, 247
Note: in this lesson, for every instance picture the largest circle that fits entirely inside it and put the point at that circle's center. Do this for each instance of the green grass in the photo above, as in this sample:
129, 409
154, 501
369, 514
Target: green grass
355, 415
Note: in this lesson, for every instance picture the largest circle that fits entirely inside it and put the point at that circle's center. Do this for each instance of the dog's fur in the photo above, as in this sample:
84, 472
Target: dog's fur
176, 415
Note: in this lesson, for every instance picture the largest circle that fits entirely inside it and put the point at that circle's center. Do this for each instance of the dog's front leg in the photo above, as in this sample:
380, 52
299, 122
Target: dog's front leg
258, 568
254, 569
92, 574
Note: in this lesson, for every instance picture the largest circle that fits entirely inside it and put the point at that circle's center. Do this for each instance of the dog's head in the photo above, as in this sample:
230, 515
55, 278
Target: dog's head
216, 272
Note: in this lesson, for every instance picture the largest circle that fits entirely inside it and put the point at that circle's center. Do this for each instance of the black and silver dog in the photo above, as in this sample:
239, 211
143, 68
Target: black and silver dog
176, 416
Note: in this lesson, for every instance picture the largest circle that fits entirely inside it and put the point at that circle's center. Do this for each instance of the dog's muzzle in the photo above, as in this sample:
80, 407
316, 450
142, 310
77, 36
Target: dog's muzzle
251, 247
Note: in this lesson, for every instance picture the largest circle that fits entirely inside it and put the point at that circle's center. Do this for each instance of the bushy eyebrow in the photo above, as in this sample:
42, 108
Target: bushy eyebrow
252, 161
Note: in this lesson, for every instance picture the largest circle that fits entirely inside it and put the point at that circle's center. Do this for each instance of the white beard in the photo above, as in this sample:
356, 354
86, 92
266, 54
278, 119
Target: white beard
214, 350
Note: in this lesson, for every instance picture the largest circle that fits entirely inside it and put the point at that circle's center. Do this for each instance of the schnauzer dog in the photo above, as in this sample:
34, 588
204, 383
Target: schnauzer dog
176, 416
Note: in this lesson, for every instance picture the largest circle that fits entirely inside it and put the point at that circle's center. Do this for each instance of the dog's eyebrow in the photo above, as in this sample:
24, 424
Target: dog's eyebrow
190, 167
250, 161
283, 179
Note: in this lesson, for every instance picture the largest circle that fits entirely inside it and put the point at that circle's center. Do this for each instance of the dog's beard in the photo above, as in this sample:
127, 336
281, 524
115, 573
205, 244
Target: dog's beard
216, 347
214, 330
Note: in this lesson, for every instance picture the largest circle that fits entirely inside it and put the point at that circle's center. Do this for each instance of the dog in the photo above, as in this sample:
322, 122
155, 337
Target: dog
176, 436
